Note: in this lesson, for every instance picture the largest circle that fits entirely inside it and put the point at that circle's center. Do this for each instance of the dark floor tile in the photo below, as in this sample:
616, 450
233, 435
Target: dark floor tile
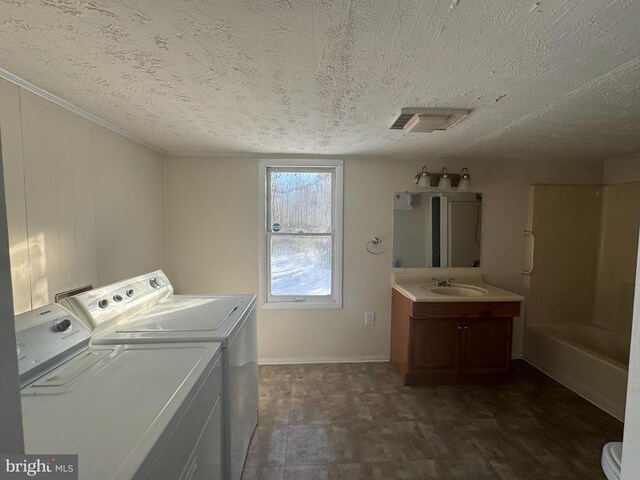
352, 421
310, 445
375, 382
363, 471
462, 469
378, 442
274, 410
449, 439
268, 447
372, 368
587, 449
354, 443
459, 401
522, 468
318, 384
342, 408
496, 442
469, 469
423, 401
323, 368
275, 385
387, 407
263, 473
548, 467
435, 406
571, 467
311, 472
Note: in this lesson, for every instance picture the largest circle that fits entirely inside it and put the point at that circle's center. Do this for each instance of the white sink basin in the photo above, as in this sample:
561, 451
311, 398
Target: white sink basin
457, 290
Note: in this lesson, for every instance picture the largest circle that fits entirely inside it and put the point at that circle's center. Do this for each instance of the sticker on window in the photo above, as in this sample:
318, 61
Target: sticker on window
275, 227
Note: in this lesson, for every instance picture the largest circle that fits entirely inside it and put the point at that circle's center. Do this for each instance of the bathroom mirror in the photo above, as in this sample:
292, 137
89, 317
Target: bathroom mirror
436, 229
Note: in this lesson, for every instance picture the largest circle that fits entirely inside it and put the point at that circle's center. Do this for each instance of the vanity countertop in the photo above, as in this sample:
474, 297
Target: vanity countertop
419, 289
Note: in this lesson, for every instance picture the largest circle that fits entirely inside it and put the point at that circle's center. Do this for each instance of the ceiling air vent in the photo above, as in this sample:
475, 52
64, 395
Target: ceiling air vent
427, 120
401, 120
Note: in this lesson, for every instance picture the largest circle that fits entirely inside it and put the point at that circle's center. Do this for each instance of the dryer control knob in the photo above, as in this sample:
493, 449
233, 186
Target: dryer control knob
130, 292
103, 303
117, 297
156, 282
63, 325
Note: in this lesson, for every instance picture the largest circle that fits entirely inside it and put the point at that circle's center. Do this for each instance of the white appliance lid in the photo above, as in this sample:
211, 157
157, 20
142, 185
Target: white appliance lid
113, 433
184, 313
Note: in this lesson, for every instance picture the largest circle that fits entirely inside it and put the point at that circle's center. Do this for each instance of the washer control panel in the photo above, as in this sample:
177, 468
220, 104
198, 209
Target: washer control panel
114, 303
46, 337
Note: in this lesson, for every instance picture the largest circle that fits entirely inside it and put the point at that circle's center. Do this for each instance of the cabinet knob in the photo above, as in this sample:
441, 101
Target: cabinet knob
466, 327
459, 328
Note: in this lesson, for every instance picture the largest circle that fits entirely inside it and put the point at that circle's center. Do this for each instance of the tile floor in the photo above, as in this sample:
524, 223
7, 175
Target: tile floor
356, 421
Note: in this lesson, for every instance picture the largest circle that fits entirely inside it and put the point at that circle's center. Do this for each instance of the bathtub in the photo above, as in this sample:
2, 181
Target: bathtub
590, 360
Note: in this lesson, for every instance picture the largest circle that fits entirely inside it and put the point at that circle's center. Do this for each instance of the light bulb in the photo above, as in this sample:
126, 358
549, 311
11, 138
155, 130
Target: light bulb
465, 181
422, 179
445, 180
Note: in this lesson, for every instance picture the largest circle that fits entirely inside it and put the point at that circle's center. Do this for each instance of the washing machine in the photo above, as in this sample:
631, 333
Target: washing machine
144, 309
130, 412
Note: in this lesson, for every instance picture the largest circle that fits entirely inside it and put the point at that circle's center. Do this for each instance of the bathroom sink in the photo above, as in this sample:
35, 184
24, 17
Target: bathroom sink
458, 290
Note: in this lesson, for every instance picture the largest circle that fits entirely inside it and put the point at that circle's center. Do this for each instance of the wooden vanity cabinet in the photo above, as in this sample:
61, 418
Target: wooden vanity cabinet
451, 342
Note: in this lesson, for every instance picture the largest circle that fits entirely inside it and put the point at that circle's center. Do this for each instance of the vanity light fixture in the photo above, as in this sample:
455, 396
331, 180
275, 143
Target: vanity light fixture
445, 180
422, 178
464, 185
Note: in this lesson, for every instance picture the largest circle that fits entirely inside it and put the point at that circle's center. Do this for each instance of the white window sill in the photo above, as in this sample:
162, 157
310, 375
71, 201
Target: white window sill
300, 305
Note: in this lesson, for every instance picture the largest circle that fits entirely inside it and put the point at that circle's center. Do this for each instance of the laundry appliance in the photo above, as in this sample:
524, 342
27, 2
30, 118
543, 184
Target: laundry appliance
144, 309
130, 412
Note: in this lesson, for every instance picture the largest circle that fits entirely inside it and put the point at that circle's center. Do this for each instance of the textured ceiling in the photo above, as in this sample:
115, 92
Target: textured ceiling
546, 79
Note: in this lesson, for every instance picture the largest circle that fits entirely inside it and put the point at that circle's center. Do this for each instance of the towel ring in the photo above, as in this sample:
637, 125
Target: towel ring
374, 241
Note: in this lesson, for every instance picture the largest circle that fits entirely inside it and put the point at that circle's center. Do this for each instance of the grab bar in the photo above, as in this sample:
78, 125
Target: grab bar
531, 251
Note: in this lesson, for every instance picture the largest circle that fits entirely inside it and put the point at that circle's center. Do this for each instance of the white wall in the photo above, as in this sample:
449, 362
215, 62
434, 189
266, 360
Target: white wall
631, 444
566, 221
212, 221
11, 439
622, 170
84, 204
616, 260
213, 244
505, 213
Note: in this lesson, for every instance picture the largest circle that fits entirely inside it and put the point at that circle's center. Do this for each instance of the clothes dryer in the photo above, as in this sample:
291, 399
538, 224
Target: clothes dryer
144, 309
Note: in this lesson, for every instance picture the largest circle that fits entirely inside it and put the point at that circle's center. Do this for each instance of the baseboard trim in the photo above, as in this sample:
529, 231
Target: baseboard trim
294, 360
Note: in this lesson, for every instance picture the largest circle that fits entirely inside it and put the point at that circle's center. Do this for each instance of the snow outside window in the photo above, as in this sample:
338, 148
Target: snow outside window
301, 234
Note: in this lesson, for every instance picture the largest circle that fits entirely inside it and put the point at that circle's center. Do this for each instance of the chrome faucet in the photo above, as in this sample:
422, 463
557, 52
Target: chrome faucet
442, 282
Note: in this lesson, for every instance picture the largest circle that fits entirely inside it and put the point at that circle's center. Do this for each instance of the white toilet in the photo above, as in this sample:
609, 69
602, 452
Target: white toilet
612, 460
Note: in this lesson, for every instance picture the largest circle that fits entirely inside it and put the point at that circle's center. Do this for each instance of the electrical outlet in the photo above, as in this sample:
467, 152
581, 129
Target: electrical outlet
369, 319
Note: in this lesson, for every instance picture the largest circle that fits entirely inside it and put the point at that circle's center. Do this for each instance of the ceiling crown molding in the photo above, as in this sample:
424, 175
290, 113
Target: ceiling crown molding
61, 102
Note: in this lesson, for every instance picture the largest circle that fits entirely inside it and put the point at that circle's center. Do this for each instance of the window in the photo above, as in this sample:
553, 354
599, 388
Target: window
301, 234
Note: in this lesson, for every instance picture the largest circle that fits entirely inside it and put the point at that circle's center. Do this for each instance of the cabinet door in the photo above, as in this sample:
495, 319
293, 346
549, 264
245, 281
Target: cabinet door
435, 345
486, 345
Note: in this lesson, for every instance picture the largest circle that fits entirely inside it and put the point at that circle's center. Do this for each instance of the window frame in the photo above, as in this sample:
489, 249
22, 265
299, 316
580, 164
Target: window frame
334, 300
